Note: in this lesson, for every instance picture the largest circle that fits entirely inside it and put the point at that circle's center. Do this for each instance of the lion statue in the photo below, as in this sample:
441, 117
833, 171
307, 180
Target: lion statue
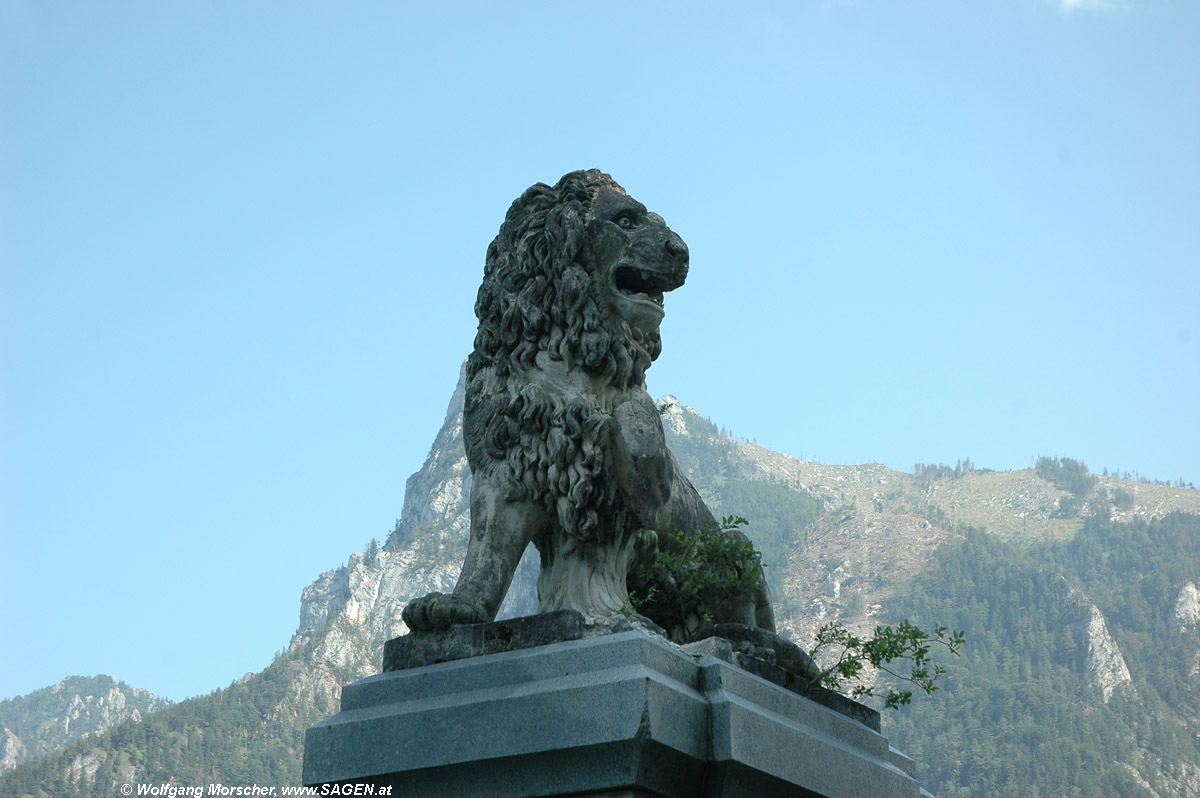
565, 445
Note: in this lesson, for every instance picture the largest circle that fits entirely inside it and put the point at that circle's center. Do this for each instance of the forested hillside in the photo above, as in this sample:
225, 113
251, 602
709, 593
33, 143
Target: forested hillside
1077, 593
250, 732
47, 719
1032, 704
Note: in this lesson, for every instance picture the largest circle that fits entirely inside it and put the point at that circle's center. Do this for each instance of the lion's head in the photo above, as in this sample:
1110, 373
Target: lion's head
578, 272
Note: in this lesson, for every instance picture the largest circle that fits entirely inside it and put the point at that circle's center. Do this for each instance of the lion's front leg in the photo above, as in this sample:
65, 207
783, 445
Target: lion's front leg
500, 532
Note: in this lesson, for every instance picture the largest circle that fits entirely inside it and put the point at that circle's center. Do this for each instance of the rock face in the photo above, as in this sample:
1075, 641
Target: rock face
12, 750
84, 768
1187, 607
49, 718
349, 609
853, 565
435, 498
1105, 666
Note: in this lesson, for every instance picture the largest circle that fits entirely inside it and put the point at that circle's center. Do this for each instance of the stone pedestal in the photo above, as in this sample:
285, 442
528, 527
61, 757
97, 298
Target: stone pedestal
619, 715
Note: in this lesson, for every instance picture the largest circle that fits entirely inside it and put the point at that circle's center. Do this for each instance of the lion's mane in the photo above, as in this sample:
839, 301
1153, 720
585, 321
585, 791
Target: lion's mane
539, 294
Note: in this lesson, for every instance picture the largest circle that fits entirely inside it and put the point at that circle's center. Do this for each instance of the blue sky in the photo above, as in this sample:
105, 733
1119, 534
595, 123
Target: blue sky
240, 243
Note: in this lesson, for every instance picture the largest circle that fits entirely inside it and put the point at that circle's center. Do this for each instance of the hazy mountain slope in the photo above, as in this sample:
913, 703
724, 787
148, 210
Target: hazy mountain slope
49, 718
1079, 674
1052, 647
251, 731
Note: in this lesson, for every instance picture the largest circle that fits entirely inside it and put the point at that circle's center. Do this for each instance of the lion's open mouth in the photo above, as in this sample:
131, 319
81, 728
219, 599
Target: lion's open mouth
641, 284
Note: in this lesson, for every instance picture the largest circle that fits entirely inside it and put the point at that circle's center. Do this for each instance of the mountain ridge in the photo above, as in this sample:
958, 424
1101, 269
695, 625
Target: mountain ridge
846, 544
47, 719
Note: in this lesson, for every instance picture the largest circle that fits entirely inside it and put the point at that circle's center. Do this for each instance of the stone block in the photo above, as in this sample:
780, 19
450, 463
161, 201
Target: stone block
622, 714
479, 639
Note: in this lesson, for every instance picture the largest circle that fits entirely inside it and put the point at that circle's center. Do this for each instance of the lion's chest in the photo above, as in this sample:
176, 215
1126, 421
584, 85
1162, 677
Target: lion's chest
545, 441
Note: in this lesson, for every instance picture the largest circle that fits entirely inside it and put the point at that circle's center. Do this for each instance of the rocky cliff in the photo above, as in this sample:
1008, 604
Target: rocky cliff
347, 613
1106, 667
49, 718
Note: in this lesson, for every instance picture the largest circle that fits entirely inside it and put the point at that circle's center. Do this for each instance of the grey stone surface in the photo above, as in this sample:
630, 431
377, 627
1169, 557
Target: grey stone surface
805, 682
566, 447
760, 732
479, 639
626, 714
472, 640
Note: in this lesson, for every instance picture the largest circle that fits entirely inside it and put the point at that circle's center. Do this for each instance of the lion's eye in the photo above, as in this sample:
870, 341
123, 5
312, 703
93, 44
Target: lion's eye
625, 221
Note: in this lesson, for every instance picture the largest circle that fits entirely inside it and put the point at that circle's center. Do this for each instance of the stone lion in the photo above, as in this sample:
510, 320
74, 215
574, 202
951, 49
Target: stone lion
565, 445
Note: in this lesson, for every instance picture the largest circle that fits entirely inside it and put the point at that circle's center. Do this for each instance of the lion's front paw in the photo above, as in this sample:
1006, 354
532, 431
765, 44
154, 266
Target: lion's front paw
440, 611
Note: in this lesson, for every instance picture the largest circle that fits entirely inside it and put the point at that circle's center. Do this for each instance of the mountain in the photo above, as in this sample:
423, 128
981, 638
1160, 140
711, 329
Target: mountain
1077, 592
47, 719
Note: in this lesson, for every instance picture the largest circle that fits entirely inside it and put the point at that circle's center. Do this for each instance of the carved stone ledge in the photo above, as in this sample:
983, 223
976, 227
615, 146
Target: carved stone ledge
618, 714
754, 650
463, 641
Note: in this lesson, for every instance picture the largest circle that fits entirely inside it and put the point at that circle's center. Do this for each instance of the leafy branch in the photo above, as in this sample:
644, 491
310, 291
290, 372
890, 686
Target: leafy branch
697, 572
700, 569
905, 641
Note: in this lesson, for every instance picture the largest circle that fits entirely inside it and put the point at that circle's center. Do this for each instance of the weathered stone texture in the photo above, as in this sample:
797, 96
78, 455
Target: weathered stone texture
620, 714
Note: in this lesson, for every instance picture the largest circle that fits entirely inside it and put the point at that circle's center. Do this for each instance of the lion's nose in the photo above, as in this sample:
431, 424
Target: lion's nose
676, 248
